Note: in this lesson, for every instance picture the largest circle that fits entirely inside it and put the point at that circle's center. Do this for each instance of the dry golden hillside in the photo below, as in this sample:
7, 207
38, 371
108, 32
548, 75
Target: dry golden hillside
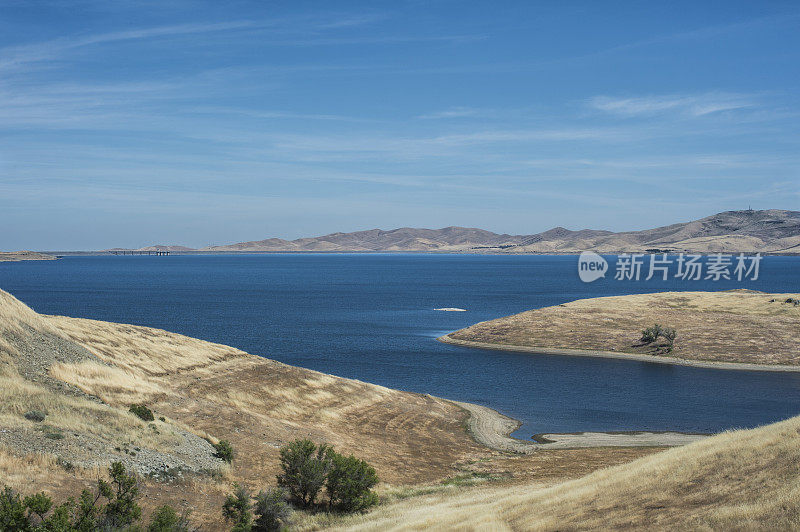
743, 480
84, 374
737, 326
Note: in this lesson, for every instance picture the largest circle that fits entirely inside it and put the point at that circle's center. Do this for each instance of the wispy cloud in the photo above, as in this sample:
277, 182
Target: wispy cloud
454, 112
266, 114
694, 105
30, 53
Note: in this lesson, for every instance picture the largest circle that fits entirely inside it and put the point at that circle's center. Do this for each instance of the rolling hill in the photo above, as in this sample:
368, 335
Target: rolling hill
749, 231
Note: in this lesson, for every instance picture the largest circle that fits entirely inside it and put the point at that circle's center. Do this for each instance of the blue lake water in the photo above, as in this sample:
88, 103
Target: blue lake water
371, 317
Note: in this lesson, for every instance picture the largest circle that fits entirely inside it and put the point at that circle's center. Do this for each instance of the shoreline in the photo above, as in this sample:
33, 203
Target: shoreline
492, 429
706, 364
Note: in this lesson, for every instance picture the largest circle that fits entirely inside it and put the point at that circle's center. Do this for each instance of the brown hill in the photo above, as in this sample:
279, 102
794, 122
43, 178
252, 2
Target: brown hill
84, 374
769, 231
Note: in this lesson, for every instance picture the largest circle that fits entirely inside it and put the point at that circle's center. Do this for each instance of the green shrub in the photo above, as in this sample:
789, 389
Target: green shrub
349, 484
141, 411
87, 514
13, 513
35, 415
305, 469
224, 450
273, 511
166, 519
238, 509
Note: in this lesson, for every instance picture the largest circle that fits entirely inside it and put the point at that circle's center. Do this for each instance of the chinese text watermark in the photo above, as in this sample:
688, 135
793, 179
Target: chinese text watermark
687, 267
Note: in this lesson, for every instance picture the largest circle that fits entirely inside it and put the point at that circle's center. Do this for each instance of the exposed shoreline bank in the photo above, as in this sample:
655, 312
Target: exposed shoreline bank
740, 366
493, 429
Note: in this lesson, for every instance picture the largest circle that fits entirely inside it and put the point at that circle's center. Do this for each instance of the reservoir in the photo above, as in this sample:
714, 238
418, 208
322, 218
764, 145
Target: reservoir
371, 317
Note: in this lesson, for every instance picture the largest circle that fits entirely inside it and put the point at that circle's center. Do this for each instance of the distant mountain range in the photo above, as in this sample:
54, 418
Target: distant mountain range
769, 231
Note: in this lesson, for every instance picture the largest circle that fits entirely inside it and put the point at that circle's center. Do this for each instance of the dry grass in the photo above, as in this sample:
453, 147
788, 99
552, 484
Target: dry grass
9, 256
732, 326
220, 392
743, 480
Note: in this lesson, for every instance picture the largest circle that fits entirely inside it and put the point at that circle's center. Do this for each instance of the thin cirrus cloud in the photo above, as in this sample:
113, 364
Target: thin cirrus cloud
455, 112
692, 105
18, 56
23, 55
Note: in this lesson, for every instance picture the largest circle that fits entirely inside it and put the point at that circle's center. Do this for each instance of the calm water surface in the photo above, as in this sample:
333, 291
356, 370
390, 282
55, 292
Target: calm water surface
371, 317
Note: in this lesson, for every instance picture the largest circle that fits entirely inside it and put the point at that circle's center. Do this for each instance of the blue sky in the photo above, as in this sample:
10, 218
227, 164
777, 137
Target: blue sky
129, 123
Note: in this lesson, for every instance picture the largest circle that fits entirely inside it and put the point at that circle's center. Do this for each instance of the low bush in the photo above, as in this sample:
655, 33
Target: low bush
166, 519
224, 450
349, 484
35, 415
273, 511
142, 412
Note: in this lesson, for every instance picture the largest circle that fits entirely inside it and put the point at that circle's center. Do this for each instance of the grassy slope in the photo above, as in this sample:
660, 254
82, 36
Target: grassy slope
732, 326
743, 480
257, 404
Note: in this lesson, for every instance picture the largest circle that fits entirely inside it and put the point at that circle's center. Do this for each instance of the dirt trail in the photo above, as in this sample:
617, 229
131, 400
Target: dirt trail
492, 429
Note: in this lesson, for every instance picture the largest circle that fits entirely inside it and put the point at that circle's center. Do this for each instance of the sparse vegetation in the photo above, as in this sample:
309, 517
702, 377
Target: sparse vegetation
142, 412
113, 507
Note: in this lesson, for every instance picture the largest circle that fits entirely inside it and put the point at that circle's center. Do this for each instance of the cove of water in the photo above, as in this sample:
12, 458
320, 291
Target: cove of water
370, 317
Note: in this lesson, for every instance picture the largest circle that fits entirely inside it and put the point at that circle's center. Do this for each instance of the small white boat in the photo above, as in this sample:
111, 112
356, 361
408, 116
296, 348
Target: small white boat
451, 309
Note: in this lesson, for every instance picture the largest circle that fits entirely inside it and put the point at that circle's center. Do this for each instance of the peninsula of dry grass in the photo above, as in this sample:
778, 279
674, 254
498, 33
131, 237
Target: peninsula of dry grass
738, 326
10, 256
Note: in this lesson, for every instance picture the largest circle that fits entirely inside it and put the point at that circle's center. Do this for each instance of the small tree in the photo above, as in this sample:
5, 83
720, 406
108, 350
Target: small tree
121, 492
273, 512
305, 468
238, 509
349, 484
